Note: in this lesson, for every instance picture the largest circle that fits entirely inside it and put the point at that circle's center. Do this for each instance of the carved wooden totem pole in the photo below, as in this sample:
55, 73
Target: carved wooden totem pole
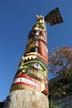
30, 85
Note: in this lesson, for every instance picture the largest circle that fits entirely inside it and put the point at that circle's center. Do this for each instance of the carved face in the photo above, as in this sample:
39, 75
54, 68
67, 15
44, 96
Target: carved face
31, 76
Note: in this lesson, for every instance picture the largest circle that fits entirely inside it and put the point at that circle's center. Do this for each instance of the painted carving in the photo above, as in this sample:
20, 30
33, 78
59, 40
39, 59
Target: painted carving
32, 70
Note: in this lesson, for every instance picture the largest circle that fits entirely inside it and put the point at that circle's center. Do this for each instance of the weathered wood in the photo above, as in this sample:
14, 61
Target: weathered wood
26, 99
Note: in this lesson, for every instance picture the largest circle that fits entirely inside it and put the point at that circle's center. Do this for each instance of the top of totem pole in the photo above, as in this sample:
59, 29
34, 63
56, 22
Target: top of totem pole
53, 17
39, 17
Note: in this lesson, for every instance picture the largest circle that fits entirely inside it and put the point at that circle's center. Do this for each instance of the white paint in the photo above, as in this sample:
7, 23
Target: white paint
25, 80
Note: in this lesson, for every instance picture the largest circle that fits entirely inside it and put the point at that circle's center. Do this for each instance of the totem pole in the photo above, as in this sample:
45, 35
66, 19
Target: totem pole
30, 84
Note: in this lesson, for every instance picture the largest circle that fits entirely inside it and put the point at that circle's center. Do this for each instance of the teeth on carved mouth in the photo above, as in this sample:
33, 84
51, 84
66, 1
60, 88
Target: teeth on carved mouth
28, 57
25, 80
34, 57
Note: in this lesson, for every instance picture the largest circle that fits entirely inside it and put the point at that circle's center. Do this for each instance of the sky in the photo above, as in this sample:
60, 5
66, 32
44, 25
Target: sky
16, 20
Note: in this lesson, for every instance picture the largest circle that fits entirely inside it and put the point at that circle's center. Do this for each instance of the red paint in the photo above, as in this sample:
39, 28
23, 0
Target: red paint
26, 84
26, 76
43, 51
43, 33
46, 90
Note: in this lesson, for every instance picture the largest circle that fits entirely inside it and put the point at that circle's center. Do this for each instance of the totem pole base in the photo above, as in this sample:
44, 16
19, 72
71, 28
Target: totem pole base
26, 99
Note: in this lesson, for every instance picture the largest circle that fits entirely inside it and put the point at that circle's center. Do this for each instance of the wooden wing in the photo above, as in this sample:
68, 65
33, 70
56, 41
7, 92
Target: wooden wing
54, 17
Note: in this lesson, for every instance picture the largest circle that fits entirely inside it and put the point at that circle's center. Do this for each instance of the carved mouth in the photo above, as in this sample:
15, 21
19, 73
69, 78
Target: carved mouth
25, 80
30, 57
33, 56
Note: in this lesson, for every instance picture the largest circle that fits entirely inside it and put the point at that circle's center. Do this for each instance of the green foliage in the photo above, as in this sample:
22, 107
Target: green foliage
60, 61
52, 104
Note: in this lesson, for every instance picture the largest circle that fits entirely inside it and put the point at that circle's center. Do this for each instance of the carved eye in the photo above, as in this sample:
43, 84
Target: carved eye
37, 66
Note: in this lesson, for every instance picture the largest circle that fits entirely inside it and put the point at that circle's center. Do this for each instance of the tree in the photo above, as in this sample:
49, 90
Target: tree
52, 104
60, 61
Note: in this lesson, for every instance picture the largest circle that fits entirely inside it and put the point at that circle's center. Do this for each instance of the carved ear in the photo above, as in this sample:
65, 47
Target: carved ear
54, 17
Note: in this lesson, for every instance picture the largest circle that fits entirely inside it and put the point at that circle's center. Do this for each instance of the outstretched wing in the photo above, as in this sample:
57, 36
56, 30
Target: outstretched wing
54, 17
